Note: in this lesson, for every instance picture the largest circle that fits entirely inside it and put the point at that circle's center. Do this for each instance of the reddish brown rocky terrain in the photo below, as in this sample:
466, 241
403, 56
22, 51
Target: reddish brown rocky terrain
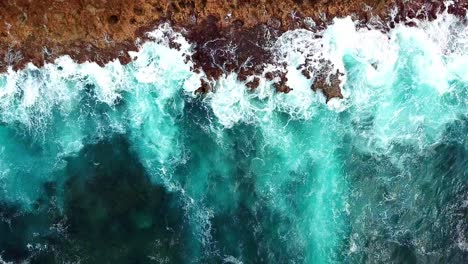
39, 31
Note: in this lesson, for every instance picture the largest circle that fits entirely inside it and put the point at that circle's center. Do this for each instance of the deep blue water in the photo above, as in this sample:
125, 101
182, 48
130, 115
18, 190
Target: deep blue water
124, 164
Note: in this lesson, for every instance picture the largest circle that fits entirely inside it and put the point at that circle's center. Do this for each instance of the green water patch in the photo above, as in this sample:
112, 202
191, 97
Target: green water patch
266, 189
123, 164
415, 209
243, 224
112, 213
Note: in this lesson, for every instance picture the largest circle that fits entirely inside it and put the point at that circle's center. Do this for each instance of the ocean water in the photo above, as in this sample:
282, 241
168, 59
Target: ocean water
125, 164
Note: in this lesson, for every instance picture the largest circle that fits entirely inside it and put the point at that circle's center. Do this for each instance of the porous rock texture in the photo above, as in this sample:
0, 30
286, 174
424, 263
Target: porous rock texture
39, 31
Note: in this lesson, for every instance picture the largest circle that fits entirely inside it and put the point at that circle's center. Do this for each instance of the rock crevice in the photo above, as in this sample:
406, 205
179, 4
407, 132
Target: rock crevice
229, 36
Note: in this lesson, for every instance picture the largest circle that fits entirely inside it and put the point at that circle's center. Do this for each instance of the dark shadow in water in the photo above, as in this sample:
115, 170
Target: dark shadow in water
415, 212
112, 214
115, 213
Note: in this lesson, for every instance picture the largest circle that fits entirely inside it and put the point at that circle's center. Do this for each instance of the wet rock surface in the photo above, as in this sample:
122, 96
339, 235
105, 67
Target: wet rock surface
228, 36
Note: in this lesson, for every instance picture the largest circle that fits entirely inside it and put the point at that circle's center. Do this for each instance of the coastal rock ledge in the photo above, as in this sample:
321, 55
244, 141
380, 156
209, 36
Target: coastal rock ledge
104, 30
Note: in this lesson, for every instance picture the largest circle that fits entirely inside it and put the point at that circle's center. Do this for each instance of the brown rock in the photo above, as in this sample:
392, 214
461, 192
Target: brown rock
269, 76
229, 36
306, 73
252, 85
281, 86
328, 84
204, 88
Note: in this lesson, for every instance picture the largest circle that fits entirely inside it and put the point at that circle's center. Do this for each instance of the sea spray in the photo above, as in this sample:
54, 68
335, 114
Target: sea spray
129, 154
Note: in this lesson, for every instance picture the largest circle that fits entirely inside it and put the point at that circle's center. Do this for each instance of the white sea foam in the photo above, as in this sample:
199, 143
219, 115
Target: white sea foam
439, 59
402, 86
443, 58
372, 63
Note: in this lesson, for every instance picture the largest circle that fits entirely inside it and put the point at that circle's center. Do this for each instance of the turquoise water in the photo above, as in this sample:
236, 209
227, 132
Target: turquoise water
124, 164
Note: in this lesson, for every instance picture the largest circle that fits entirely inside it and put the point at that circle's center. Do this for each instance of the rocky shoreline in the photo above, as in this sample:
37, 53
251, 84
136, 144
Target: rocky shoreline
104, 30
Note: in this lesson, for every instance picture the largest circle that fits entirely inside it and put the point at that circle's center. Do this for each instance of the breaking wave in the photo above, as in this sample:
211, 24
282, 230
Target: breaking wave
130, 154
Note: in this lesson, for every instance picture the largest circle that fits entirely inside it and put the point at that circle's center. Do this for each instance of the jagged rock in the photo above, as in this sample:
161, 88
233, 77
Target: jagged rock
204, 88
254, 83
329, 85
103, 30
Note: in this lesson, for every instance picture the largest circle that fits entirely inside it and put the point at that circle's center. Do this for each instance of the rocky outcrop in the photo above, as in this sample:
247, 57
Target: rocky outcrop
230, 36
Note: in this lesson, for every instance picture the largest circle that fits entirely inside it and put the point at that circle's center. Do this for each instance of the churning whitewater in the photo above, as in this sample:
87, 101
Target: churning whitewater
125, 164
